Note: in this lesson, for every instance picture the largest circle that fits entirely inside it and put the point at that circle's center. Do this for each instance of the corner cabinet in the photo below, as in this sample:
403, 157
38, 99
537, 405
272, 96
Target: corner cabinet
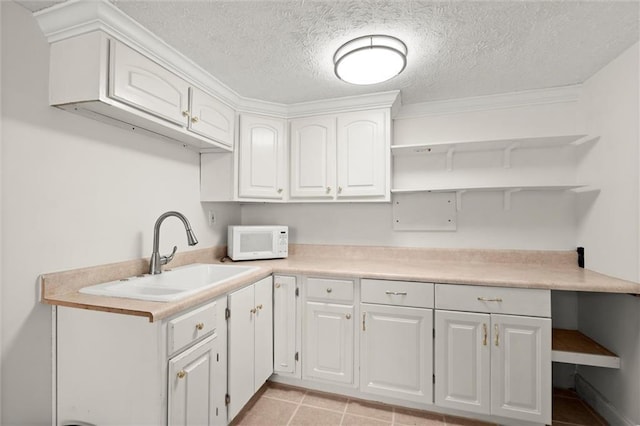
341, 157
261, 158
121, 369
102, 78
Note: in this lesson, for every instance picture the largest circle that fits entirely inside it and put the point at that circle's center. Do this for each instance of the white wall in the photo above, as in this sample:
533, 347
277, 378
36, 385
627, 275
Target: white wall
537, 220
75, 193
608, 226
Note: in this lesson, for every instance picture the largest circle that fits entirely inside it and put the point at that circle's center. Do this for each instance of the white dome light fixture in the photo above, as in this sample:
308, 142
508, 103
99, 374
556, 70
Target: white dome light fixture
370, 59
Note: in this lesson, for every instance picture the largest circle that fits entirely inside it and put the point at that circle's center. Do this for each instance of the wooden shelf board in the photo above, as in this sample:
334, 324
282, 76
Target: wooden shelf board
485, 145
559, 187
573, 347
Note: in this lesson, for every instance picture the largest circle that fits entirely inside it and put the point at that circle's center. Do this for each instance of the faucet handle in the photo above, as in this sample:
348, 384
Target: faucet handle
166, 259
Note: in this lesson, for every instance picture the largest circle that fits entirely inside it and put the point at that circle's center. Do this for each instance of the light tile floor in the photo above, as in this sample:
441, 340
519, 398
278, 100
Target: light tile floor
279, 405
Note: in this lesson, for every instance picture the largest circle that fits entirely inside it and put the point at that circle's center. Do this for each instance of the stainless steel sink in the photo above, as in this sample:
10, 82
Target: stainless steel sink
171, 285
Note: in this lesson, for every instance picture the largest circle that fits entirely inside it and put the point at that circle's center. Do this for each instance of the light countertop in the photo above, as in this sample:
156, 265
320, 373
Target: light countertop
552, 270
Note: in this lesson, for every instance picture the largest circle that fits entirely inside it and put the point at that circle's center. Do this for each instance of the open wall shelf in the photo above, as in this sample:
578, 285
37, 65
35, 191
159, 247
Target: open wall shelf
488, 144
573, 347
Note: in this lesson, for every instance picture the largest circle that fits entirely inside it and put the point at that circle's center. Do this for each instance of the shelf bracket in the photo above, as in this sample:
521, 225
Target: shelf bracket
459, 199
506, 159
450, 152
507, 197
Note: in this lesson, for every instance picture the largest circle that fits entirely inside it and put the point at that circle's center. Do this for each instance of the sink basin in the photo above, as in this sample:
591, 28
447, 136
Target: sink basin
171, 285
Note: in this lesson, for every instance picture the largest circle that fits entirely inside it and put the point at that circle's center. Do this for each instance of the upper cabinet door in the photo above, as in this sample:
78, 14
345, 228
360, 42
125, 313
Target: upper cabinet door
363, 148
262, 157
141, 83
313, 158
211, 118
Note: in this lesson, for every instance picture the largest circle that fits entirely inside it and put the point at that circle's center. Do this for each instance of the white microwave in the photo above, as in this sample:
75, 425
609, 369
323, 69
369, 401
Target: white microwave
257, 242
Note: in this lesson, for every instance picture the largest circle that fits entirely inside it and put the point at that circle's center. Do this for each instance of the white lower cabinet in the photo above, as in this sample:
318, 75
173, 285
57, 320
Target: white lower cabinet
328, 330
286, 327
190, 376
396, 353
121, 369
494, 363
250, 342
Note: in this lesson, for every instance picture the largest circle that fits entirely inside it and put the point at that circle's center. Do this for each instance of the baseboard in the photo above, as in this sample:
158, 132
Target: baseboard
600, 404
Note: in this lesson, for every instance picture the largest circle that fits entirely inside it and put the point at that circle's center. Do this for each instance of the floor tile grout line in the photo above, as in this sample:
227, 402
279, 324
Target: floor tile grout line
295, 411
344, 412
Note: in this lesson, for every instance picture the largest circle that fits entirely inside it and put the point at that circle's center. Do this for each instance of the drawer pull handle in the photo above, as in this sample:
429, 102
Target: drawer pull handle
259, 306
396, 293
484, 299
181, 374
199, 326
329, 290
348, 316
484, 334
496, 330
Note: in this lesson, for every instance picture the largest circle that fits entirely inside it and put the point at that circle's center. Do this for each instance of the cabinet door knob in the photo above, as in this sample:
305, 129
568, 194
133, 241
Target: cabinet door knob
279, 190
253, 311
194, 119
339, 190
259, 306
181, 374
328, 189
348, 316
329, 289
277, 285
185, 113
199, 326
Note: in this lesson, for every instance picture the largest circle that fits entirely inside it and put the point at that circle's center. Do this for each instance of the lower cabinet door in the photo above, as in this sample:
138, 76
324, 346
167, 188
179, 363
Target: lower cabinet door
285, 326
263, 345
328, 342
462, 361
521, 368
240, 344
191, 393
396, 352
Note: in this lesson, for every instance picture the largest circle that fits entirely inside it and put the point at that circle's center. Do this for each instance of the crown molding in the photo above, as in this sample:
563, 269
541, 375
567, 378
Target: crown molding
345, 104
77, 17
490, 102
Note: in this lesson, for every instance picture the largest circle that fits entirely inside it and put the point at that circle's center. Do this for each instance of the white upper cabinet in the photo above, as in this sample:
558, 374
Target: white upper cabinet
261, 158
141, 83
210, 117
104, 79
341, 157
313, 158
363, 154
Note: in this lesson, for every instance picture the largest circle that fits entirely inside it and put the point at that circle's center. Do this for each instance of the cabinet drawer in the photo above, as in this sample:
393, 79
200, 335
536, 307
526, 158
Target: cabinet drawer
501, 300
190, 327
399, 293
330, 290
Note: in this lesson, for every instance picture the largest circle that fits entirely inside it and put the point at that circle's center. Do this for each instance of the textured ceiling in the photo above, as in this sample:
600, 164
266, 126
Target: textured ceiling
282, 51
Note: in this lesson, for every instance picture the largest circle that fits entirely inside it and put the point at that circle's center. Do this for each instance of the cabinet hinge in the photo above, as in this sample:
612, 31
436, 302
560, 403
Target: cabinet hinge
216, 411
217, 357
434, 333
297, 356
297, 291
227, 399
227, 313
434, 378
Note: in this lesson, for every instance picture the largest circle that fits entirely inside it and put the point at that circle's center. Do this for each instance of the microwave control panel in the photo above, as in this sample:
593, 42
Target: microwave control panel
283, 243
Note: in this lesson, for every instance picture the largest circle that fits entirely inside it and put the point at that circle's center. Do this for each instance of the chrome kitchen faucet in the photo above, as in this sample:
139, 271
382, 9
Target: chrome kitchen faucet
156, 260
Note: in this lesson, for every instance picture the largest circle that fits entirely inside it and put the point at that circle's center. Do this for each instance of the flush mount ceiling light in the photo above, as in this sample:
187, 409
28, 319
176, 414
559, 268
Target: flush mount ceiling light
370, 59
